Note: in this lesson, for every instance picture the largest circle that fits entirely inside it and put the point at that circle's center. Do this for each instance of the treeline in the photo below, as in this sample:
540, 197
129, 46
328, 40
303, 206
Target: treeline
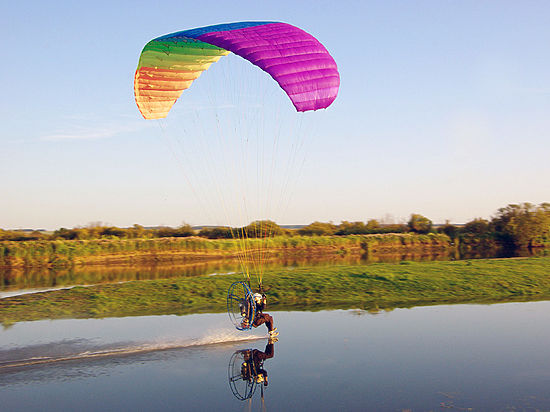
65, 253
258, 229
523, 225
98, 232
519, 226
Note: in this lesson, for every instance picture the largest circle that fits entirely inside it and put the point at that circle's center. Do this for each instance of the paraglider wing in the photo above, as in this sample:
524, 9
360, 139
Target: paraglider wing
297, 61
166, 68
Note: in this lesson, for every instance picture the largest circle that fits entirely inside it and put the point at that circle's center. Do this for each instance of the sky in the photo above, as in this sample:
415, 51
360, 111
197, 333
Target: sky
442, 110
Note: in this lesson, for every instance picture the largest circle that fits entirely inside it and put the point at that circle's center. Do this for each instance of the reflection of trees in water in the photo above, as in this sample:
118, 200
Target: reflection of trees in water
43, 277
14, 279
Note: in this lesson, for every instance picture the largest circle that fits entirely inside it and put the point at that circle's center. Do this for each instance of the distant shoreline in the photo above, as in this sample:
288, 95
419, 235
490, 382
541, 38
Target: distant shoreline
67, 253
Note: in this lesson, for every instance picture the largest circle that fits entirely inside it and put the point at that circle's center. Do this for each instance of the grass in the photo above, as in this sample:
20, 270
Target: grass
64, 253
369, 287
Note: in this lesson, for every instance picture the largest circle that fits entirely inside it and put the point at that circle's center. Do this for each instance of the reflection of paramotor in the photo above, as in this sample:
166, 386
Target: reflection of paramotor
240, 305
240, 376
246, 371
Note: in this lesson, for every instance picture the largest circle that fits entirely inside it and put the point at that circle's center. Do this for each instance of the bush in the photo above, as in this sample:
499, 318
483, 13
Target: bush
419, 224
318, 229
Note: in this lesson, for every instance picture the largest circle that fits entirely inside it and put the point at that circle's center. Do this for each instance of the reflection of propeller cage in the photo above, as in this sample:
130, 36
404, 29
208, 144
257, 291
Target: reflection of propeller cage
241, 373
240, 305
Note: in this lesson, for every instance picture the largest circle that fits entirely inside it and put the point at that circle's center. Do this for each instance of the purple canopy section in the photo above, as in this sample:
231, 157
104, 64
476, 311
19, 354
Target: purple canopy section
295, 59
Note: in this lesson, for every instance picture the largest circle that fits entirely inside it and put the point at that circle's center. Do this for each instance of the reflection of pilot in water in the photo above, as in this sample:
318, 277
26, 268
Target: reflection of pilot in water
246, 370
252, 367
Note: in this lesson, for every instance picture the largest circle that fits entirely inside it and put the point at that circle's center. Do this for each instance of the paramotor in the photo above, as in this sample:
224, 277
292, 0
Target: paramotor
240, 305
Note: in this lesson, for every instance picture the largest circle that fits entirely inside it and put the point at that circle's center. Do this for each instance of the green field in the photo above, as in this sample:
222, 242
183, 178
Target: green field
369, 287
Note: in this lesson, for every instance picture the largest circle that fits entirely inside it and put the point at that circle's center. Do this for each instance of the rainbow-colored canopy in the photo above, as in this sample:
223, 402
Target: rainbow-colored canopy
296, 60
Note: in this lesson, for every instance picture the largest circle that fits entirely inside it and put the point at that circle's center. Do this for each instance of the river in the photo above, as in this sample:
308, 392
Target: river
463, 357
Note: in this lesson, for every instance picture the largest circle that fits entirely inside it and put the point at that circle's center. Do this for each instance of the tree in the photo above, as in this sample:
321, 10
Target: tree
352, 228
216, 232
262, 228
113, 231
449, 229
65, 233
419, 224
477, 226
318, 229
137, 231
373, 226
524, 225
184, 230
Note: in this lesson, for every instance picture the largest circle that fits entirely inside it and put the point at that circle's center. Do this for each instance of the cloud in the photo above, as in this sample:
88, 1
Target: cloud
83, 132
193, 107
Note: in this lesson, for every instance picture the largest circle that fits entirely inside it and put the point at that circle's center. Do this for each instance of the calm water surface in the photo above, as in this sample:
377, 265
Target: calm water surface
483, 357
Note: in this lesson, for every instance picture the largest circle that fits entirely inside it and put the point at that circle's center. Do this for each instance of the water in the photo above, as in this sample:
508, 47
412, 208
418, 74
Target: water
462, 357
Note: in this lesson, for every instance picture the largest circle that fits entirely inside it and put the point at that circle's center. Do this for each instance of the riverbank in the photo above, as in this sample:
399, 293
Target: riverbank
369, 287
67, 253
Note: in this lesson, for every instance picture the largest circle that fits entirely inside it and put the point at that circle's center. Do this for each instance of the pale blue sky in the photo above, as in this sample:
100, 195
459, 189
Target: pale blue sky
443, 110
